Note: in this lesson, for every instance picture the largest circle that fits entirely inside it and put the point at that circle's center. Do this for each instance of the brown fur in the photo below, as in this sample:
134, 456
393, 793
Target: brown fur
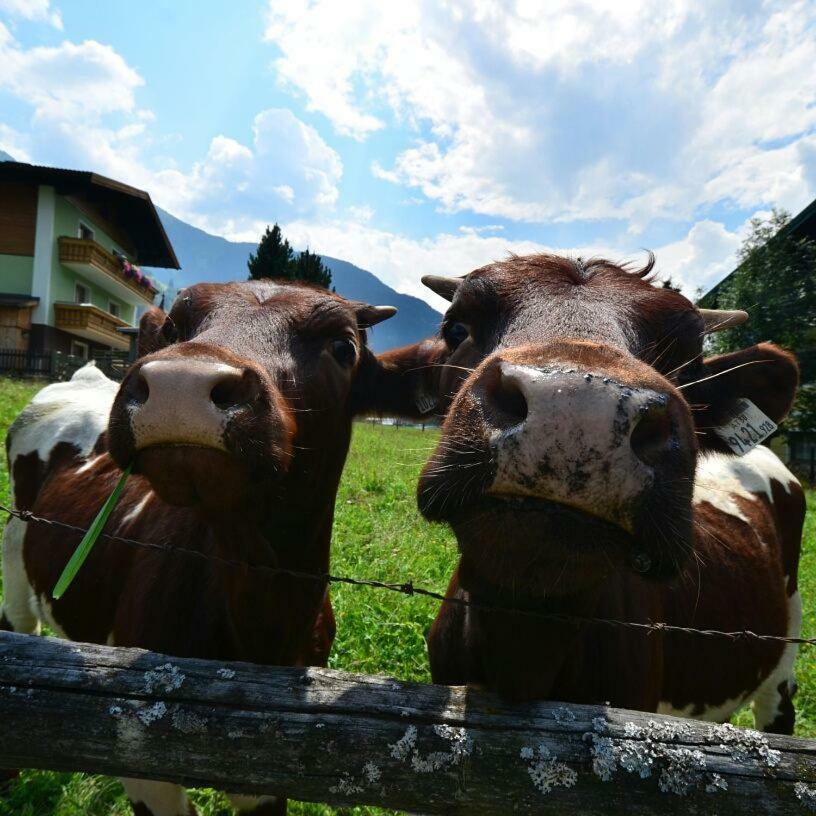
268, 499
721, 573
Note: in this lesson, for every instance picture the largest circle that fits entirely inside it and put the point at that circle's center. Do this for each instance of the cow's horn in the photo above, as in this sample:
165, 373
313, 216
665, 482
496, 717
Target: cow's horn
721, 319
444, 287
368, 316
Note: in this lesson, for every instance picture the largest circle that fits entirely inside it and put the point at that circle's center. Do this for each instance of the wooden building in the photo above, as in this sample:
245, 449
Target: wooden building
70, 247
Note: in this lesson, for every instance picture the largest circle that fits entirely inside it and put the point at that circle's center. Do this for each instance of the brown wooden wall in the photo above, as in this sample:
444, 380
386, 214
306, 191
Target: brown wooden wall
15, 323
18, 218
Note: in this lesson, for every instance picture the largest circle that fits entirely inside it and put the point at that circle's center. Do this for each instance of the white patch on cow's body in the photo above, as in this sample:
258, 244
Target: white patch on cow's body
19, 601
720, 480
160, 798
137, 508
573, 447
76, 411
46, 615
710, 713
768, 699
722, 477
244, 803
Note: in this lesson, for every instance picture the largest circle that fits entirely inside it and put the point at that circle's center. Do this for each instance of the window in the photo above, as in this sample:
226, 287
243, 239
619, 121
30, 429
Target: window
113, 308
79, 349
85, 232
81, 294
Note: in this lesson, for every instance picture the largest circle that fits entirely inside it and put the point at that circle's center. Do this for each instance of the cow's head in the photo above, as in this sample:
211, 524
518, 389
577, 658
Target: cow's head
580, 399
243, 388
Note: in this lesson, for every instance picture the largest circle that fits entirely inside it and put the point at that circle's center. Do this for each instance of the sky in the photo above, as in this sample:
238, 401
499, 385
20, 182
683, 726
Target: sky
420, 137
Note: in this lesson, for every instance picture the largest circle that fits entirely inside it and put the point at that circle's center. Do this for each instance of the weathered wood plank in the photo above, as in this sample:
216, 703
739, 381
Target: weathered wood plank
334, 737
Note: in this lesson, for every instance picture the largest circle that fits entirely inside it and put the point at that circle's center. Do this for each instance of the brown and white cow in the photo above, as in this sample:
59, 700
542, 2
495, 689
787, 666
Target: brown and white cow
580, 469
238, 422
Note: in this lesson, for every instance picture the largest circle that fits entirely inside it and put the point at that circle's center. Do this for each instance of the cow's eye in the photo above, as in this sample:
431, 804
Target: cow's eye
455, 334
344, 351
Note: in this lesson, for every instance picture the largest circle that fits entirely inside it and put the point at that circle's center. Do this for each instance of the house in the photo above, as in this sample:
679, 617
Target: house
797, 448
70, 245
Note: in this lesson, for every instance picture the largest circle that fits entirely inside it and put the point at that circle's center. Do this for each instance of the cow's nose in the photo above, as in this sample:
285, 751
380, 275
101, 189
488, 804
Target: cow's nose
575, 437
188, 401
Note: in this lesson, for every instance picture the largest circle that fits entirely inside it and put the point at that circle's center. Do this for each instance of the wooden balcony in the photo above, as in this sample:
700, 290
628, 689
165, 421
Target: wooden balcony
102, 268
90, 323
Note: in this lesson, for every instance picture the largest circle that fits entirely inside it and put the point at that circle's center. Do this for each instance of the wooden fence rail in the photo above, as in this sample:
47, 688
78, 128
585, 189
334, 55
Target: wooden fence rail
339, 738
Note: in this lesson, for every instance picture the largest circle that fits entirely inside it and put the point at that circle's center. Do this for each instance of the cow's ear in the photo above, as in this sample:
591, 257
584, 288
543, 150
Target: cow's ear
403, 381
764, 374
152, 332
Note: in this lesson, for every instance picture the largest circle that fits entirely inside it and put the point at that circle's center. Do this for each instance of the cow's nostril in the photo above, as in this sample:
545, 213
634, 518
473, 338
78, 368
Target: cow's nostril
233, 391
508, 401
138, 390
652, 435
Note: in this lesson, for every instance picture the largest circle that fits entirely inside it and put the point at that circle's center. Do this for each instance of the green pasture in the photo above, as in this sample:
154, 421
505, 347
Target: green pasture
378, 534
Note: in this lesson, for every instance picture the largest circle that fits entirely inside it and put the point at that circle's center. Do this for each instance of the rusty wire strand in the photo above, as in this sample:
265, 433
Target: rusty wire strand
410, 589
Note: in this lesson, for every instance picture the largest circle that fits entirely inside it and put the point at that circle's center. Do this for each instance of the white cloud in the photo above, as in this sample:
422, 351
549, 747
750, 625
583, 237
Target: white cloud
70, 80
14, 143
705, 255
556, 110
289, 169
38, 11
702, 258
85, 114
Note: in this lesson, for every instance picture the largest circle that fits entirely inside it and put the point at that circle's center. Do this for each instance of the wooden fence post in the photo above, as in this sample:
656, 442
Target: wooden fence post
345, 739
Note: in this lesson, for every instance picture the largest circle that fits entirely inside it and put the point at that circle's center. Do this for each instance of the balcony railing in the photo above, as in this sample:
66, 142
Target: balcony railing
103, 267
91, 323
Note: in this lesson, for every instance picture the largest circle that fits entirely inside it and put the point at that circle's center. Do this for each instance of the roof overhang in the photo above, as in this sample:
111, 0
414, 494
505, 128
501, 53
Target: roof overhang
18, 301
127, 207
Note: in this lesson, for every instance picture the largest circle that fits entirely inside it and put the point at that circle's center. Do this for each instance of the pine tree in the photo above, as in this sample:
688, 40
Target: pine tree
273, 258
309, 267
776, 284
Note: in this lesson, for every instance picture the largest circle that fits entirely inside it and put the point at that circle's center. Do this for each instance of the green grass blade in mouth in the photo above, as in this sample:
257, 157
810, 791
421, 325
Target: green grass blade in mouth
89, 539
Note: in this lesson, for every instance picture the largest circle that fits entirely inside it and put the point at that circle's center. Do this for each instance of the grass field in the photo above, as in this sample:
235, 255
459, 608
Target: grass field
378, 534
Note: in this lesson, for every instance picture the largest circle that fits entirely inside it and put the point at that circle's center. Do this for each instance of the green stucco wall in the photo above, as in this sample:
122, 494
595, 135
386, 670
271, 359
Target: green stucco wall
63, 280
15, 274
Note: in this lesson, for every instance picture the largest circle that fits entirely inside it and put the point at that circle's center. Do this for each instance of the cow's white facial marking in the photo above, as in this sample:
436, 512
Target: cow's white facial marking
160, 798
573, 447
19, 601
722, 477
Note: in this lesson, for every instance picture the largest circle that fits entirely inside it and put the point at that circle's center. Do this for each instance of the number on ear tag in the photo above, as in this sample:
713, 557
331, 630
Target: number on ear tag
425, 403
746, 429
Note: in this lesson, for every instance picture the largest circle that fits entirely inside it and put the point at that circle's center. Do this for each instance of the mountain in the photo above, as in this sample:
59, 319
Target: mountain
5, 156
205, 257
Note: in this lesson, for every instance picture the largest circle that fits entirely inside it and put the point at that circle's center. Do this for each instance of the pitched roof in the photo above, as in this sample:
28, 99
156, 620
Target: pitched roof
128, 208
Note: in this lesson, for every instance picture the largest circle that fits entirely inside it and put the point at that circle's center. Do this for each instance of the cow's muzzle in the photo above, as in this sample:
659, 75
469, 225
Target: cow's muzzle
201, 429
576, 426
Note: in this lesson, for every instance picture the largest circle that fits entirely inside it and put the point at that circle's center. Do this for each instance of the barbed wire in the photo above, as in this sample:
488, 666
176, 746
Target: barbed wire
410, 589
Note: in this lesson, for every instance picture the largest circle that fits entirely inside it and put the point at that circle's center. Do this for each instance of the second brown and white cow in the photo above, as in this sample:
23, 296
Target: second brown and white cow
237, 421
583, 469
